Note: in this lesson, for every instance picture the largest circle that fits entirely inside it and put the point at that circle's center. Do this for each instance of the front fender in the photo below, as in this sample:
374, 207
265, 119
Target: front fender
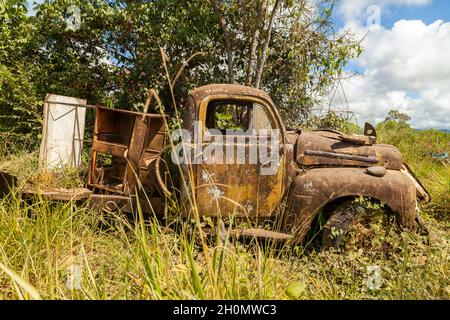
311, 191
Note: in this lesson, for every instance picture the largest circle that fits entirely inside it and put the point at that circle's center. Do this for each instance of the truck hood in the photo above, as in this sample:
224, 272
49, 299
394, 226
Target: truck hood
330, 148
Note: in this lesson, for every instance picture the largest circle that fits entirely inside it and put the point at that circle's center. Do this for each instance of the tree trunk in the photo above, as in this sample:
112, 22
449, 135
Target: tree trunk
226, 36
255, 42
263, 58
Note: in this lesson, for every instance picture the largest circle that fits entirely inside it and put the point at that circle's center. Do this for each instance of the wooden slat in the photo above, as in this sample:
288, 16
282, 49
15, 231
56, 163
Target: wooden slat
137, 146
115, 149
261, 234
60, 194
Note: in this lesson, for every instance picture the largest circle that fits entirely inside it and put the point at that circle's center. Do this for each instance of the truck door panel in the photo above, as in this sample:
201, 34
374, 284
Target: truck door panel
239, 187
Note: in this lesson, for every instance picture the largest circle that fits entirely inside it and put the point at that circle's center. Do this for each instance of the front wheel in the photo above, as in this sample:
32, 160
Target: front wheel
339, 222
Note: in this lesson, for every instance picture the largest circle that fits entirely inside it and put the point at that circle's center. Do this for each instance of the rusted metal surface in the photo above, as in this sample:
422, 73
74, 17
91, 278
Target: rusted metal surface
311, 191
8, 182
327, 149
125, 164
376, 171
100, 202
261, 234
125, 145
358, 139
57, 194
237, 189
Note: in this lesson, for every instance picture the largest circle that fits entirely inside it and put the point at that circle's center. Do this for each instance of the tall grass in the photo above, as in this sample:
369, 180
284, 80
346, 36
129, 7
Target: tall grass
138, 258
66, 251
416, 147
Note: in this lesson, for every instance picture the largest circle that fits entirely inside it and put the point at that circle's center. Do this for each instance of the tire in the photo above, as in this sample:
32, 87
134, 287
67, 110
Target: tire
340, 220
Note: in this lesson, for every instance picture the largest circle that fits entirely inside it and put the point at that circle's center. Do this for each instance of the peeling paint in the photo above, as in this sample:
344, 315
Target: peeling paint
206, 176
308, 185
249, 207
216, 193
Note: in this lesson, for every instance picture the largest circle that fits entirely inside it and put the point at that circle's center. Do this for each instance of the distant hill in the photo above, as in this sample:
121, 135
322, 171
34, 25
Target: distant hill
442, 130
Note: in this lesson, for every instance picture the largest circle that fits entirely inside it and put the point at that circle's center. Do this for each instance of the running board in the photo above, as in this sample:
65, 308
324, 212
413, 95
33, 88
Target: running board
261, 234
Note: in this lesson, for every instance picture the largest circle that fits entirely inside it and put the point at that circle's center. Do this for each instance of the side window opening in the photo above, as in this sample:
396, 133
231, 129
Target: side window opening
234, 116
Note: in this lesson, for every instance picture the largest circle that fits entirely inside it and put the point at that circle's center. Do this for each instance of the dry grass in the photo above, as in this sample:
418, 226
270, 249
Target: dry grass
44, 245
122, 259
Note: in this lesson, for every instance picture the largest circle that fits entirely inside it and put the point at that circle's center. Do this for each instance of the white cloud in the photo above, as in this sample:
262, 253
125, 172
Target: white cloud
371, 101
405, 68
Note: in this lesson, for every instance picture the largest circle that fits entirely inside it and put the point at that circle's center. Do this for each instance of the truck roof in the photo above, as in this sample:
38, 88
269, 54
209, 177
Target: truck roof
227, 89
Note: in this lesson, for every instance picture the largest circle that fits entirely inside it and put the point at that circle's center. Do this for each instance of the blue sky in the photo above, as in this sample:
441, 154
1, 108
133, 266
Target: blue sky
436, 10
30, 5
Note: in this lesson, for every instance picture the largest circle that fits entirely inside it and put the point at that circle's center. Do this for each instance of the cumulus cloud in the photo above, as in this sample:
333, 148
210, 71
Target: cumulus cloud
404, 68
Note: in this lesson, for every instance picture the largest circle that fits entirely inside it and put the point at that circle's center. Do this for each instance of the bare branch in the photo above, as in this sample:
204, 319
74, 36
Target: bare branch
186, 63
255, 41
263, 58
226, 36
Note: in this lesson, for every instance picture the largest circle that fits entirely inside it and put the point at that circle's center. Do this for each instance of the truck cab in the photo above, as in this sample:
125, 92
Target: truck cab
240, 161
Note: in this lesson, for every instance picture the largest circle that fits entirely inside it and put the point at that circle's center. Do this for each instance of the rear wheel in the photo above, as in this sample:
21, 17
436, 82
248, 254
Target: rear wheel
341, 218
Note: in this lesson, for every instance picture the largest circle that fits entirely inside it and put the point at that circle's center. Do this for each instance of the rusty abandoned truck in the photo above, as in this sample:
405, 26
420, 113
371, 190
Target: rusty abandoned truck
317, 171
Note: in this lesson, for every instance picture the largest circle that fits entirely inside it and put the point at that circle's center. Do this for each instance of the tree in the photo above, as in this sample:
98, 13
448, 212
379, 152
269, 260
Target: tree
19, 100
395, 128
115, 54
287, 48
397, 116
334, 121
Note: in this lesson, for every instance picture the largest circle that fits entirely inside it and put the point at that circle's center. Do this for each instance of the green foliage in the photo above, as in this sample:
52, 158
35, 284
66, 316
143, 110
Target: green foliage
305, 55
397, 116
141, 259
416, 147
19, 100
333, 121
20, 116
114, 57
